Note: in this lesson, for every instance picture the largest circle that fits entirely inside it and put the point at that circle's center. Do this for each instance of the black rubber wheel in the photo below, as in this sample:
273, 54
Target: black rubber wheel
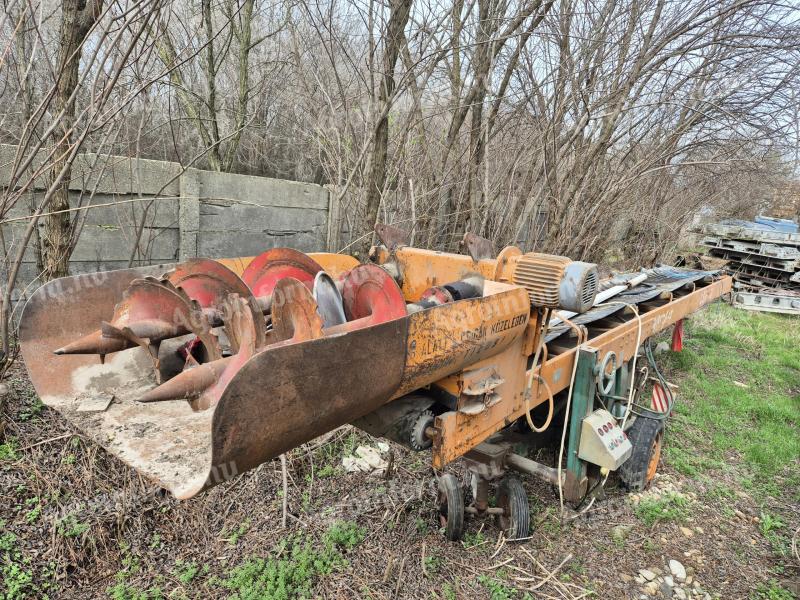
646, 436
516, 517
451, 507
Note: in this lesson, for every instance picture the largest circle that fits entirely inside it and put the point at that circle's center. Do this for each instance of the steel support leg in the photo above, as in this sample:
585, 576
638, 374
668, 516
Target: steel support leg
576, 482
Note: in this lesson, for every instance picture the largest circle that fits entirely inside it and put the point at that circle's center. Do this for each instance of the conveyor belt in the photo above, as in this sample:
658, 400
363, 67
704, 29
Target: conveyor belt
659, 280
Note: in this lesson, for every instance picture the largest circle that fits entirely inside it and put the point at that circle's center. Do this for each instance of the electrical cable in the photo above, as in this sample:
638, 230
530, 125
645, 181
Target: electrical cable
527, 393
581, 335
649, 413
550, 409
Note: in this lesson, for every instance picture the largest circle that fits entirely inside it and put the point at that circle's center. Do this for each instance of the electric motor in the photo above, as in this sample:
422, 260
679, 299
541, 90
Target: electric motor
556, 281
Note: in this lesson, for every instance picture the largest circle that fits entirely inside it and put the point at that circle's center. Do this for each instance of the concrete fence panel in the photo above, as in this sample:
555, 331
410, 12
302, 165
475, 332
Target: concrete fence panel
143, 212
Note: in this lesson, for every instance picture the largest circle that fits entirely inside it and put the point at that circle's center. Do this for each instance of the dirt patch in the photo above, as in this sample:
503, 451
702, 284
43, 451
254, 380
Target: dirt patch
77, 523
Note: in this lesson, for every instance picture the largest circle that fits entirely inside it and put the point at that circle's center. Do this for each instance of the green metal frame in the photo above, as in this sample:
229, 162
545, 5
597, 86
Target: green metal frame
583, 391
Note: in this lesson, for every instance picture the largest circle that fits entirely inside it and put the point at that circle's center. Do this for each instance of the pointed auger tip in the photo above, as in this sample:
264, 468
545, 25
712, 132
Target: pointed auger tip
161, 393
187, 384
59, 352
147, 399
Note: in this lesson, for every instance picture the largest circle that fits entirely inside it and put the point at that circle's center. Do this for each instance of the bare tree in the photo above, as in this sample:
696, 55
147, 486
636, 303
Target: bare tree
224, 41
593, 129
77, 19
393, 41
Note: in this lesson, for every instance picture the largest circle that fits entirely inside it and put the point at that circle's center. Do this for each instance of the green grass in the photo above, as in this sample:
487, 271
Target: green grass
448, 593
32, 410
669, 507
433, 563
292, 570
774, 530
346, 534
187, 571
773, 591
497, 589
70, 527
123, 589
16, 578
233, 537
35, 511
8, 450
326, 471
473, 539
739, 396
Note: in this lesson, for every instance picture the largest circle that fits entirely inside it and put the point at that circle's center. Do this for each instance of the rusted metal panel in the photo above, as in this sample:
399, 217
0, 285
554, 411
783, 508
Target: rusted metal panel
392, 237
423, 269
448, 338
459, 432
334, 264
478, 247
277, 400
167, 442
312, 388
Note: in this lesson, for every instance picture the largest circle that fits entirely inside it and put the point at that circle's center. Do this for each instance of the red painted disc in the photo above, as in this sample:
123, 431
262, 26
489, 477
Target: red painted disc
271, 266
207, 281
370, 291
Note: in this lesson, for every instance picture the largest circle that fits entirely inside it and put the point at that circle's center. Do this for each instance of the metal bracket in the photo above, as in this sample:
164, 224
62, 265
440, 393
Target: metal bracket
479, 248
392, 237
478, 390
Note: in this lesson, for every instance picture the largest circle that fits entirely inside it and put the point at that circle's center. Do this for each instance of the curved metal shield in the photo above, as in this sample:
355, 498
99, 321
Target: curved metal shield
314, 387
279, 398
266, 269
329, 300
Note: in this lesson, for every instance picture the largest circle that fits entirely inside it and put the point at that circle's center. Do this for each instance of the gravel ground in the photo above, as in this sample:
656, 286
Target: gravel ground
77, 523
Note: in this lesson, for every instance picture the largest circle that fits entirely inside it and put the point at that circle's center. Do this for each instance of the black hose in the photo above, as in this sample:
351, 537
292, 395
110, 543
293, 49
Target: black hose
649, 413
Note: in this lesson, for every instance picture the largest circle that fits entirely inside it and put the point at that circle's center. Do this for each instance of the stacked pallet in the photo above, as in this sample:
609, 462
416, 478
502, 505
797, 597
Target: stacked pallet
764, 258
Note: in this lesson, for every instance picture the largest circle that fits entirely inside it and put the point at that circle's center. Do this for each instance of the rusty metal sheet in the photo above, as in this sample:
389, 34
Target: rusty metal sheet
445, 339
266, 269
392, 237
479, 248
167, 442
287, 396
66, 309
423, 269
458, 431
280, 398
334, 264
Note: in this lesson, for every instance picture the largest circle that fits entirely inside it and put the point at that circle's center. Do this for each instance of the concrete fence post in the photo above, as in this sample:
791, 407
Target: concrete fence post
333, 225
189, 214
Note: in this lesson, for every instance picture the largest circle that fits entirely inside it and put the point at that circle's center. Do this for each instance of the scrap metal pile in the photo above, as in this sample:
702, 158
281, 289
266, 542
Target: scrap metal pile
763, 256
195, 372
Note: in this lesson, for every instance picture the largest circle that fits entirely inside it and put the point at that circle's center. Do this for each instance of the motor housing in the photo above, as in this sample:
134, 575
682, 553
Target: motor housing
556, 281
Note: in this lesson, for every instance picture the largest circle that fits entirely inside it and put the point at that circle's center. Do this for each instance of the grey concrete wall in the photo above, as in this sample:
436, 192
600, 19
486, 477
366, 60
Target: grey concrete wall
180, 213
264, 213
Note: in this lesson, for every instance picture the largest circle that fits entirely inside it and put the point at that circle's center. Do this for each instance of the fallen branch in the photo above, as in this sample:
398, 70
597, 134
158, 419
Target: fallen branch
285, 489
47, 441
550, 574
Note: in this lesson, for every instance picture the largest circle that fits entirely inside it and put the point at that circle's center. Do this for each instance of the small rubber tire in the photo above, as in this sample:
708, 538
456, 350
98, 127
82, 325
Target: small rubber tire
646, 437
417, 439
451, 507
516, 517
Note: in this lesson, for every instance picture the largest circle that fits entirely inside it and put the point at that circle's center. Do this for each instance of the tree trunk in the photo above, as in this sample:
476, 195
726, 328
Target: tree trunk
467, 218
393, 39
77, 19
